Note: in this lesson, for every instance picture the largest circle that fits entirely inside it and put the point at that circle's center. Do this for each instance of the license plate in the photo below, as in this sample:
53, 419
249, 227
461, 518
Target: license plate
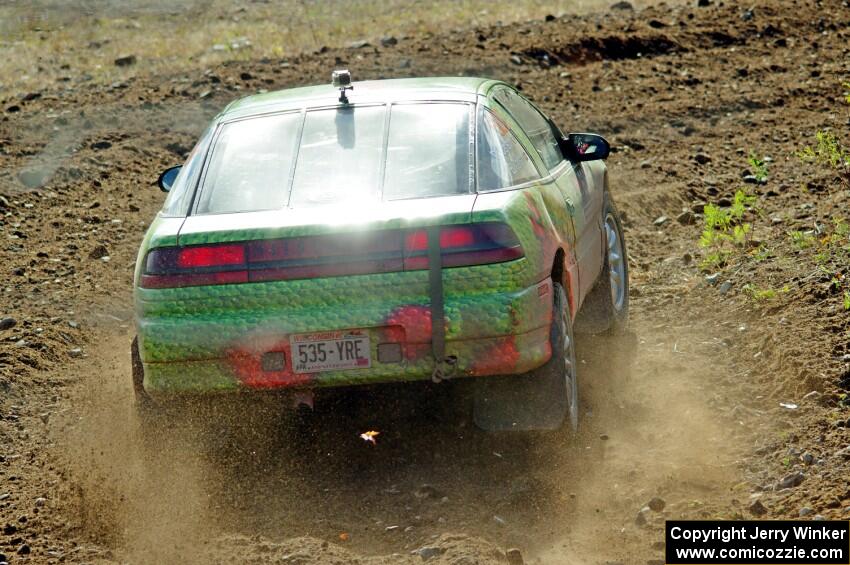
330, 351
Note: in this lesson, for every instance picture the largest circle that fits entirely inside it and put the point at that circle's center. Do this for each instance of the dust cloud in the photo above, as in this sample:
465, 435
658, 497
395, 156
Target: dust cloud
256, 471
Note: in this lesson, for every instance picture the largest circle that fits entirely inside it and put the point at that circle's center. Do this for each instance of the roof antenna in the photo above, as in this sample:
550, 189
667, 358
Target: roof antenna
342, 80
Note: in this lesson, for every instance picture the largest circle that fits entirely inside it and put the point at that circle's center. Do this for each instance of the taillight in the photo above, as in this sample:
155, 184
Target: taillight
464, 246
327, 256
168, 267
213, 256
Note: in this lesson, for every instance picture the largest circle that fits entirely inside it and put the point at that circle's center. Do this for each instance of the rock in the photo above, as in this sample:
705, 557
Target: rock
790, 480
686, 218
622, 6
748, 15
360, 44
388, 41
40, 501
843, 453
725, 287
404, 64
76, 353
750, 179
703, 3
125, 61
100, 145
428, 552
805, 511
550, 18
712, 279
656, 504
807, 458
661, 220
757, 508
7, 323
818, 518
32, 178
246, 76
24, 550
391, 528
514, 556
813, 396
640, 519
427, 491
516, 59
99, 252
702, 158
645, 164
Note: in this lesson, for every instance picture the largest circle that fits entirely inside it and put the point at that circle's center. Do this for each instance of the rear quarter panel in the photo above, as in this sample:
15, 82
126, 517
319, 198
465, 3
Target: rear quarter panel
543, 224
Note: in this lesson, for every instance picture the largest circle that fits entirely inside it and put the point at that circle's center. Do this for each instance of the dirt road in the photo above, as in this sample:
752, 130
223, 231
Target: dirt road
726, 400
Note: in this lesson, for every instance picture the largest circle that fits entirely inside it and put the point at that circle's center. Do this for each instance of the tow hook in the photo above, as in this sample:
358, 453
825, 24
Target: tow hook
444, 370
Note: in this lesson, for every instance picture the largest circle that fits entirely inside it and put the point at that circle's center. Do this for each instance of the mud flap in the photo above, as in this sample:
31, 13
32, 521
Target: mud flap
515, 403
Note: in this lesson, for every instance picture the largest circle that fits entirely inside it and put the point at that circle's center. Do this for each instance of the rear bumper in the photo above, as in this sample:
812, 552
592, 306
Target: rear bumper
494, 333
480, 357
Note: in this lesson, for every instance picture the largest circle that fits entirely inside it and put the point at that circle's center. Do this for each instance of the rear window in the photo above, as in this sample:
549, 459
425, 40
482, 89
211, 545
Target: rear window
250, 165
330, 156
428, 151
340, 156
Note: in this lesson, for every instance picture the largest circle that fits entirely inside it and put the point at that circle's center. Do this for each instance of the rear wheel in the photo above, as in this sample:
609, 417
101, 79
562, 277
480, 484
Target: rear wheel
606, 308
541, 399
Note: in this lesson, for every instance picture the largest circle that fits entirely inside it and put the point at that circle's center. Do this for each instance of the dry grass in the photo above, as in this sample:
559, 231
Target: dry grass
50, 41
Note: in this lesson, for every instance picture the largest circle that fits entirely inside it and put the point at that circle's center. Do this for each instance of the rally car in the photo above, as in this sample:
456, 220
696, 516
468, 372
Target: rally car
377, 232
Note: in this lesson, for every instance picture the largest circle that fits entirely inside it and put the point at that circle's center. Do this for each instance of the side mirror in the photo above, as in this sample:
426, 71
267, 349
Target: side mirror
585, 147
167, 178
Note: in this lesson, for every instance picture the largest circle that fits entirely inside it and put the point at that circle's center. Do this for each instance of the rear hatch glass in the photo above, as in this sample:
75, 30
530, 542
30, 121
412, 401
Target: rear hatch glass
338, 156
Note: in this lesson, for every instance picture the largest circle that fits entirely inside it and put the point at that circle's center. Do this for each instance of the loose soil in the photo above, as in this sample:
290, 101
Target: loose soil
725, 386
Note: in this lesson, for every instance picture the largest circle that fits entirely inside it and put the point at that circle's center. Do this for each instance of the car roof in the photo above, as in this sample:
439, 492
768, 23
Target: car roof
369, 91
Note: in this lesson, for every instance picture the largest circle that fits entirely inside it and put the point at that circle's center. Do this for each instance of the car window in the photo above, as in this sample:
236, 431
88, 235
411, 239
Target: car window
250, 165
534, 125
502, 161
177, 201
428, 151
340, 156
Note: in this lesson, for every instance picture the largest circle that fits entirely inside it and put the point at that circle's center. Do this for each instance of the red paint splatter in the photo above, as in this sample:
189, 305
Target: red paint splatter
246, 363
501, 359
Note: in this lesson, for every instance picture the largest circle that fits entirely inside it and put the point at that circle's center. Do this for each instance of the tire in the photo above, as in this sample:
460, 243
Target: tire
142, 397
540, 399
606, 308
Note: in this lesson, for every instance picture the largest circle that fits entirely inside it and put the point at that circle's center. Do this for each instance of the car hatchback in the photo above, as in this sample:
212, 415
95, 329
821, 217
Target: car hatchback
404, 230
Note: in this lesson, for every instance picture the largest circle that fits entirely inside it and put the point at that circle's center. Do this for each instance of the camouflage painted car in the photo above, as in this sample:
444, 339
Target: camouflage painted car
402, 230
